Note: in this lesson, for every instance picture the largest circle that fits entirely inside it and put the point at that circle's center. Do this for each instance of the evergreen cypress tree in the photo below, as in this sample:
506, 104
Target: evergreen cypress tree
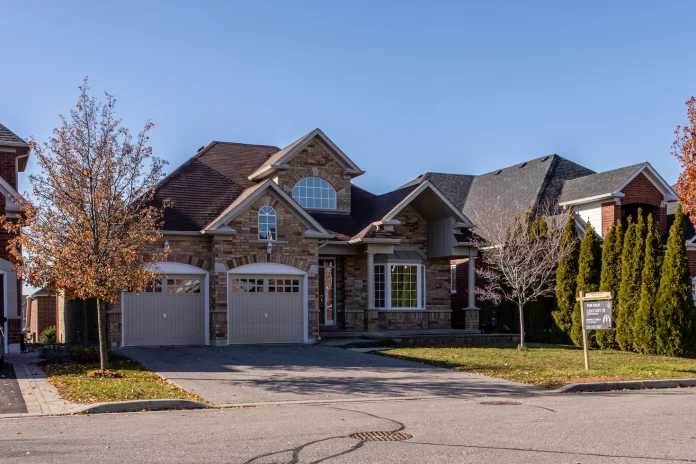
589, 271
629, 292
674, 305
566, 280
644, 324
610, 280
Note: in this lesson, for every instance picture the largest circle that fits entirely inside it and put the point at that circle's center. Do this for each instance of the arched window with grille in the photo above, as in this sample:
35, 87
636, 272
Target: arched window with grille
314, 193
267, 224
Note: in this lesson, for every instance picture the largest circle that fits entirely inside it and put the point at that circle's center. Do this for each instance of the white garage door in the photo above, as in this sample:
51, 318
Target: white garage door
170, 311
266, 309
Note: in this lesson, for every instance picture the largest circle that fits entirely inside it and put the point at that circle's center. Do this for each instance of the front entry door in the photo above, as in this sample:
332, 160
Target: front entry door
327, 291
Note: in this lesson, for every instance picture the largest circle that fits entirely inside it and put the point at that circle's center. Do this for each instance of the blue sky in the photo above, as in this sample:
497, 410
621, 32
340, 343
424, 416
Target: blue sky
402, 87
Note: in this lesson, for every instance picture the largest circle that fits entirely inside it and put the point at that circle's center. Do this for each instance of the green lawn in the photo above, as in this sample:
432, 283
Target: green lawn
135, 383
549, 366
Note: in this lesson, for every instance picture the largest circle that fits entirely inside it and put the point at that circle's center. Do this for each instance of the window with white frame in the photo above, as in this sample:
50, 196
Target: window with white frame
314, 193
453, 278
693, 288
267, 223
399, 286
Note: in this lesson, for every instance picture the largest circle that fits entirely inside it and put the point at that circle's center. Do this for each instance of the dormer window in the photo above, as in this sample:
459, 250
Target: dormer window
314, 193
267, 224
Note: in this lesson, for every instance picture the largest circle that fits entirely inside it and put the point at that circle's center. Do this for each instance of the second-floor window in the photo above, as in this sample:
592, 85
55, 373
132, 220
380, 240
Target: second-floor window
267, 223
314, 193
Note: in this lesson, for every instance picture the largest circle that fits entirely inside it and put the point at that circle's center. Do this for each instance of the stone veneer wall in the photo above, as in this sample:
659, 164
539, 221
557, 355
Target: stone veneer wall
316, 161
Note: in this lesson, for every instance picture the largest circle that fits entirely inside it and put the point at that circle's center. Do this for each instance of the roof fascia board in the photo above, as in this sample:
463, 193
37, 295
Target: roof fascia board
316, 133
386, 241
421, 188
603, 196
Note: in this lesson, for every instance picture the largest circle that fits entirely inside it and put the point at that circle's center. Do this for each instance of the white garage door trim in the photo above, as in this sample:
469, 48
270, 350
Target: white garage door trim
166, 268
272, 269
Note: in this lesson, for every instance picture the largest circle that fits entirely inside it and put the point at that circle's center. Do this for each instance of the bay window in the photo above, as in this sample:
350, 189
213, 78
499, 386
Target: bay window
399, 286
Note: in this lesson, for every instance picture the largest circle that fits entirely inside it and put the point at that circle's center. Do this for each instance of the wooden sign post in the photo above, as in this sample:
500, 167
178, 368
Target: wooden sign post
596, 314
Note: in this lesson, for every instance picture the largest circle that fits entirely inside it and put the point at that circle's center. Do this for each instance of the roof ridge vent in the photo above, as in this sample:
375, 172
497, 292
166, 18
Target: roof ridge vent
523, 164
498, 172
199, 150
545, 158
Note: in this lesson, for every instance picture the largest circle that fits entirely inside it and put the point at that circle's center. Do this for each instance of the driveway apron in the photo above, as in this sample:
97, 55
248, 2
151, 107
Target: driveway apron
277, 373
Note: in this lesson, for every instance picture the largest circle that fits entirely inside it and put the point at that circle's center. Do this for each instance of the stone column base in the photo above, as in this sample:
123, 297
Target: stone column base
471, 319
371, 320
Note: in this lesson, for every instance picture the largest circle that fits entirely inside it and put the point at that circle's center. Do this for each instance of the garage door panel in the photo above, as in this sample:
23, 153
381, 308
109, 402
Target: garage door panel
265, 316
168, 313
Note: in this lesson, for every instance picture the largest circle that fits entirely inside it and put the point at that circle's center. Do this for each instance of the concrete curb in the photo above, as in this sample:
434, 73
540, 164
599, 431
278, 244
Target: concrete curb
136, 406
628, 385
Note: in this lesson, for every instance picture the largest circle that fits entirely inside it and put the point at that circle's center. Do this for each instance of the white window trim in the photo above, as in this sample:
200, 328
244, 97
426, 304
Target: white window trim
693, 288
273, 235
335, 194
420, 282
453, 279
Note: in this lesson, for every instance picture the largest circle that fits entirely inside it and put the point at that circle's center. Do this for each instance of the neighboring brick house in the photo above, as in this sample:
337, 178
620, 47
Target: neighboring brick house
553, 184
41, 314
14, 153
272, 245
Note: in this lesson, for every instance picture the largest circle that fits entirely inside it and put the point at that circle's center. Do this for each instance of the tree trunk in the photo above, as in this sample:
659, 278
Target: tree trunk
103, 348
521, 346
85, 324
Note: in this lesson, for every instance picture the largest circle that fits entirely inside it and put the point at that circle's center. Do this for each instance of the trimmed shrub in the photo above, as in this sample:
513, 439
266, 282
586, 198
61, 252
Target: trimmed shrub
589, 270
48, 336
610, 279
674, 305
83, 355
644, 324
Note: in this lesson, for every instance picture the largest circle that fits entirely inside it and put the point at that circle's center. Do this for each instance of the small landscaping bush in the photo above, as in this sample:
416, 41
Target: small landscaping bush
48, 336
83, 355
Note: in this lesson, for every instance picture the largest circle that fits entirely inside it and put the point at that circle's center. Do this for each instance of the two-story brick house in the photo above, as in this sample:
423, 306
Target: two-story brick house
14, 154
271, 245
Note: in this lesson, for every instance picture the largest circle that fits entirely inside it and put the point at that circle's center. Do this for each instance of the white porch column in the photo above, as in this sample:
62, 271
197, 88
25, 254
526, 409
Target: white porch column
472, 281
370, 280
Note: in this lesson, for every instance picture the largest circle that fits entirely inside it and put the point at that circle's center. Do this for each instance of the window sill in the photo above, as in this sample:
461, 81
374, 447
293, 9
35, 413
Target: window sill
279, 242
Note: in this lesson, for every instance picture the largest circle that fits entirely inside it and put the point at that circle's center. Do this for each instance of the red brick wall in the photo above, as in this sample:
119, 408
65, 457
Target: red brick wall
611, 212
691, 254
641, 190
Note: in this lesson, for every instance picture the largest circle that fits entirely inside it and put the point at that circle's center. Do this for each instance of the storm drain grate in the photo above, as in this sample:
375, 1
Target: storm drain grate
500, 403
381, 436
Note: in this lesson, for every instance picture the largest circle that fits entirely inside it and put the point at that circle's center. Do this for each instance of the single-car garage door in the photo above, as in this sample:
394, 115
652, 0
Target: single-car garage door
266, 309
170, 311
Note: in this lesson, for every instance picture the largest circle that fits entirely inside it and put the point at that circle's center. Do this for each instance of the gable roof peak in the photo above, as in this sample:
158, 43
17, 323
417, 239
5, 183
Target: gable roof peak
279, 160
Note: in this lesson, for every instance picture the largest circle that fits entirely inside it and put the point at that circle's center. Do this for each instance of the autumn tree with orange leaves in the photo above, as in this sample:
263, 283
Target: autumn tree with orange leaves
684, 148
90, 219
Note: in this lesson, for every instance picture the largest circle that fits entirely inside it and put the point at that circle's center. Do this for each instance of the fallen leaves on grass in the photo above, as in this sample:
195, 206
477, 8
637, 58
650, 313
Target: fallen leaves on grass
104, 374
132, 382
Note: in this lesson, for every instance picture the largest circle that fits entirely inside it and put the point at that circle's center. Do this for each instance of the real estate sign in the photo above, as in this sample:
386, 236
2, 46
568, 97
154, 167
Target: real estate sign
598, 315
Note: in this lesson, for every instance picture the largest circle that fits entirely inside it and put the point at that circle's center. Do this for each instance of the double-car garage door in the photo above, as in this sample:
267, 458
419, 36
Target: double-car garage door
171, 310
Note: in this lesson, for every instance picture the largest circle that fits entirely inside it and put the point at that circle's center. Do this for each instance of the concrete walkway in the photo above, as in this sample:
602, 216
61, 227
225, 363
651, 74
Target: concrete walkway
282, 373
39, 395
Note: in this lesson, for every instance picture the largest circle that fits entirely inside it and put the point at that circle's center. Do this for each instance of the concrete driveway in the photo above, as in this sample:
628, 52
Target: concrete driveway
280, 373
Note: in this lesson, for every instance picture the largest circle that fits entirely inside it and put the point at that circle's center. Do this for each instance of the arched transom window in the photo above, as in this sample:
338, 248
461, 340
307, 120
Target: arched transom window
315, 193
267, 224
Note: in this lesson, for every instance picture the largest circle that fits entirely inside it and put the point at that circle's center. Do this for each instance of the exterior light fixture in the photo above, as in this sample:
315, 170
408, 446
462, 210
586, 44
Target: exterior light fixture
166, 246
269, 249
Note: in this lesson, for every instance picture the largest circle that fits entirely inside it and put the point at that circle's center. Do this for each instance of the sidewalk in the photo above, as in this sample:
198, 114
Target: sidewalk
39, 395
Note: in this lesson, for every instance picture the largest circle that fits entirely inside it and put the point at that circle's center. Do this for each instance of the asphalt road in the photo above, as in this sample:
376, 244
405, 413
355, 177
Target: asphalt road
11, 401
622, 427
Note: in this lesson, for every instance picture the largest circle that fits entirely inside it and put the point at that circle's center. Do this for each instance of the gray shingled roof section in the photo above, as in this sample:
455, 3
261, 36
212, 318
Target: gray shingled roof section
10, 139
561, 171
454, 186
597, 184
